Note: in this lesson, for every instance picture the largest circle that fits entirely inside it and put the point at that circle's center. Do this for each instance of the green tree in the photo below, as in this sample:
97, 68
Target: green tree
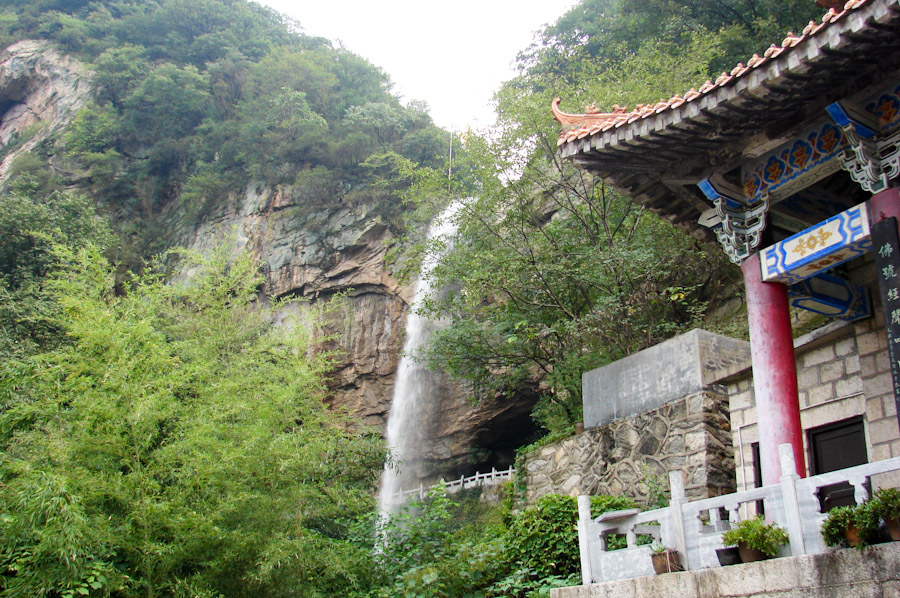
554, 272
168, 104
29, 226
118, 70
606, 31
179, 445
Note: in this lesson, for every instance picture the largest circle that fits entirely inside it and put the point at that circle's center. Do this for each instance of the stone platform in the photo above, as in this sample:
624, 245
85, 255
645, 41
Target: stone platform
848, 573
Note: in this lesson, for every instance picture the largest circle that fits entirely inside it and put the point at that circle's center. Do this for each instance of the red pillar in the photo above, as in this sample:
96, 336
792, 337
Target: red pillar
774, 371
884, 205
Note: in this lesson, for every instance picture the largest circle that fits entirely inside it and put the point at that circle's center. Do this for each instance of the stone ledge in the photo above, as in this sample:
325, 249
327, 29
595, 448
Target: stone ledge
874, 571
679, 367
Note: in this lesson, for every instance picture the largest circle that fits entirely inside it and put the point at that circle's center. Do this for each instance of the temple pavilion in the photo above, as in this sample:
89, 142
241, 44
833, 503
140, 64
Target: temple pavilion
791, 163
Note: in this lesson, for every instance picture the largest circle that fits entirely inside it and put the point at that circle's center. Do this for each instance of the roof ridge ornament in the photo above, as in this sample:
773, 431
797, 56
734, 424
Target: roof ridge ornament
591, 116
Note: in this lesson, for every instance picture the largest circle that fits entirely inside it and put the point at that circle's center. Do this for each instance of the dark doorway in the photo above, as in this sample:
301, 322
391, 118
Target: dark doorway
757, 477
833, 447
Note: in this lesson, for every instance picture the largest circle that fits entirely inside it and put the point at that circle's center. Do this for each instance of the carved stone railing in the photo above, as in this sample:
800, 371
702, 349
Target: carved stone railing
695, 528
491, 478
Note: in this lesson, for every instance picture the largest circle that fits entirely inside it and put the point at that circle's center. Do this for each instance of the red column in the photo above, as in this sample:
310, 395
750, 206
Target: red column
884, 205
774, 371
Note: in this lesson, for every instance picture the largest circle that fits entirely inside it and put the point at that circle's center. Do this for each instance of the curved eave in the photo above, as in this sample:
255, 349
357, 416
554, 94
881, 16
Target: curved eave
844, 35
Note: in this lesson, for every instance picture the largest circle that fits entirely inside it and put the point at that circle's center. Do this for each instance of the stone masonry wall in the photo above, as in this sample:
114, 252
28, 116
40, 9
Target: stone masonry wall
692, 434
842, 372
874, 572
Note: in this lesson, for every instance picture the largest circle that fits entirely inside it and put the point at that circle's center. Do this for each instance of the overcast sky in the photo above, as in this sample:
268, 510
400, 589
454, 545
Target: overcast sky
453, 54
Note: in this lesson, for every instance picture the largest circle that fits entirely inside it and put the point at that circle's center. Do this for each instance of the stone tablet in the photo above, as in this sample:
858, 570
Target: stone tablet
650, 378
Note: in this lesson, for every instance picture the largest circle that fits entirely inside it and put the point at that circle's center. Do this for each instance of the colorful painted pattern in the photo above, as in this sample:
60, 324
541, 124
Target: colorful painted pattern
820, 247
831, 296
793, 160
886, 108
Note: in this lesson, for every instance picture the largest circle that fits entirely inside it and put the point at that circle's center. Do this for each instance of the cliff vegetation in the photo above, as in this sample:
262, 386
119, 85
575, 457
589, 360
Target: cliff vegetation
166, 438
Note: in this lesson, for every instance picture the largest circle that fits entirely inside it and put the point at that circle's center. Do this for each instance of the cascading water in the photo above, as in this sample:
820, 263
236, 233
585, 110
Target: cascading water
416, 388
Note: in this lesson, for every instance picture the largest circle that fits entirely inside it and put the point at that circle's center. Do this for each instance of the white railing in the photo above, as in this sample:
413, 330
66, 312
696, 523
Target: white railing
491, 478
695, 528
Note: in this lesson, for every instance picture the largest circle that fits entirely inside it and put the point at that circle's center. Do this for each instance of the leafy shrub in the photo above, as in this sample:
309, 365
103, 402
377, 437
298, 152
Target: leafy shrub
544, 536
836, 523
443, 547
440, 547
865, 518
757, 534
885, 503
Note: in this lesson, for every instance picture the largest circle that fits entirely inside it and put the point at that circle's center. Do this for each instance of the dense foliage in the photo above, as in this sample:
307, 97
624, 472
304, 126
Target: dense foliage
608, 31
29, 226
196, 99
445, 547
179, 445
554, 272
166, 439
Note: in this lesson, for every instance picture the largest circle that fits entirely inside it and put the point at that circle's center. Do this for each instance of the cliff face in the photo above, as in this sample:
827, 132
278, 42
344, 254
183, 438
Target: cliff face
40, 91
312, 255
309, 253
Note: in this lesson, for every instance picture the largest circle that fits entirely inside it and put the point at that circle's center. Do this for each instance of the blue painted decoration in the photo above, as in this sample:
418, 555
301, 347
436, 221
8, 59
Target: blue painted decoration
886, 108
818, 248
831, 296
792, 160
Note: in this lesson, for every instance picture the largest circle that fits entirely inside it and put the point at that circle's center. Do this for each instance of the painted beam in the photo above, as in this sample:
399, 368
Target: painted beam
823, 246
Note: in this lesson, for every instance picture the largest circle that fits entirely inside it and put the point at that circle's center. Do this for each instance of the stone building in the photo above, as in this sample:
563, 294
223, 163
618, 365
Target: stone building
792, 163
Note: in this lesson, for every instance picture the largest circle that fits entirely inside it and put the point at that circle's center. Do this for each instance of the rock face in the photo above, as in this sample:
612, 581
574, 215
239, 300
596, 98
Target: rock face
40, 91
310, 252
313, 254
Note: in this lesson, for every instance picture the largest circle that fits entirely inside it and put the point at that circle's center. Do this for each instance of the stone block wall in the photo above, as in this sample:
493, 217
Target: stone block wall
842, 372
873, 573
883, 432
691, 433
673, 369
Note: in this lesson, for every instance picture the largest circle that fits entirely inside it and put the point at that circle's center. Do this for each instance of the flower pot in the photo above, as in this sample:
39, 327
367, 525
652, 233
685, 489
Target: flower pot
893, 528
749, 555
666, 561
852, 535
730, 555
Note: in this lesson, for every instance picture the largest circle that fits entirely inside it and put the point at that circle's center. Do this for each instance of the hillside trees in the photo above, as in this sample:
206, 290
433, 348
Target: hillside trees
29, 227
555, 272
177, 445
607, 31
198, 99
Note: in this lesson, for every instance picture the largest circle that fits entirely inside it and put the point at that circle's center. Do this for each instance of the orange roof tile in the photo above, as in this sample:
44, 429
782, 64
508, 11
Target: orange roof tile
594, 121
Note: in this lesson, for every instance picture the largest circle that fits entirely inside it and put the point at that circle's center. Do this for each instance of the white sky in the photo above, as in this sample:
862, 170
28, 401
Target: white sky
452, 54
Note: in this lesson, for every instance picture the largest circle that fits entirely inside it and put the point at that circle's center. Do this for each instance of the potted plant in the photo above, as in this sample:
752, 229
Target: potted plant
853, 526
885, 505
665, 560
755, 539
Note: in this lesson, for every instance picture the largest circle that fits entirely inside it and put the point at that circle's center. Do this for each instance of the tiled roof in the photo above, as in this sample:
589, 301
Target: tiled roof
585, 125
656, 153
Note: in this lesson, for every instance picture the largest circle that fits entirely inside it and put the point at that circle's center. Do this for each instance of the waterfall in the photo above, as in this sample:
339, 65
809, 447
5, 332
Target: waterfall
416, 388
